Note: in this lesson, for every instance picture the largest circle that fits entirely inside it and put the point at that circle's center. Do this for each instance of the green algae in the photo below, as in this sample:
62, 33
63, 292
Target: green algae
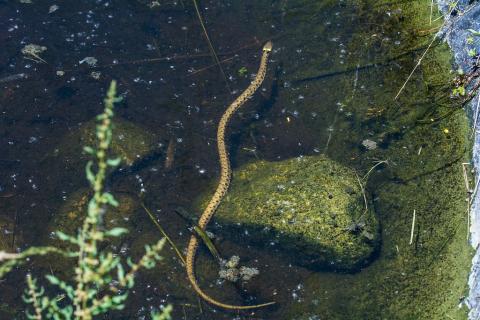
425, 150
130, 142
71, 214
423, 135
313, 207
425, 280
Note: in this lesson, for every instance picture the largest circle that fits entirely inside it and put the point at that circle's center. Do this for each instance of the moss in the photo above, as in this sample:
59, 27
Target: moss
424, 136
310, 205
69, 219
72, 213
130, 142
425, 280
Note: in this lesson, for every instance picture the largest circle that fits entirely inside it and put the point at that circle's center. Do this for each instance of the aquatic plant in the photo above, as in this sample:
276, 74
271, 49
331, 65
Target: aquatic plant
101, 281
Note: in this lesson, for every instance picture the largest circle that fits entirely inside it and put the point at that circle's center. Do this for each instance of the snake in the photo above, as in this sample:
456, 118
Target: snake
224, 182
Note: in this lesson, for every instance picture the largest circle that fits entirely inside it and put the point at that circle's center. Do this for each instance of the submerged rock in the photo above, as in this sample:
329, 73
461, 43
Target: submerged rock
130, 142
71, 215
312, 207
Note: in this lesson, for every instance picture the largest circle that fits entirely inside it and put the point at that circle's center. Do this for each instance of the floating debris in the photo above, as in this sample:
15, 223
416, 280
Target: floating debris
60, 73
230, 271
248, 273
32, 52
153, 4
91, 61
14, 77
369, 144
170, 156
95, 74
53, 8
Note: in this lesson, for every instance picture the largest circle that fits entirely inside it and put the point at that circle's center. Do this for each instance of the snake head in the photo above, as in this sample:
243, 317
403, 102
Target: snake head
268, 46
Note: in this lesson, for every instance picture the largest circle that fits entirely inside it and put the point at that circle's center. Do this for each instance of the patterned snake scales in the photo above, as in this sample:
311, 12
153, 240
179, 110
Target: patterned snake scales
225, 177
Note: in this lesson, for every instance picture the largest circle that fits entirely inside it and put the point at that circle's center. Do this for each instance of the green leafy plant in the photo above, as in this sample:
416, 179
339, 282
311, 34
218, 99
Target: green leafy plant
459, 91
101, 281
242, 71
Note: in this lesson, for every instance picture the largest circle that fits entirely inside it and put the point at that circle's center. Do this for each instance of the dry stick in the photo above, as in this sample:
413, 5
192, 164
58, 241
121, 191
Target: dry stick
363, 192
468, 223
427, 31
469, 193
212, 50
179, 57
413, 227
424, 53
365, 177
465, 177
472, 196
170, 156
210, 66
475, 118
475, 189
416, 66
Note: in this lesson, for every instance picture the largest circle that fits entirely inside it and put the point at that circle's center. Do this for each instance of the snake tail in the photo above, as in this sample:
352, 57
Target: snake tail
224, 182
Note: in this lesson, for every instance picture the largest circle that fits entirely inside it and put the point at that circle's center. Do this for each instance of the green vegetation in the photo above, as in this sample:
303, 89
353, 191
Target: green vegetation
242, 72
101, 281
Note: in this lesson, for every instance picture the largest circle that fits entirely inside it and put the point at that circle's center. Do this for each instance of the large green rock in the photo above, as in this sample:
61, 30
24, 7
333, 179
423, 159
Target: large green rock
312, 207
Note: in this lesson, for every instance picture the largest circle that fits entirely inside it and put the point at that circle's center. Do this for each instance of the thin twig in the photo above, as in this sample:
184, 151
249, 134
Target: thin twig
465, 177
365, 177
152, 217
469, 195
170, 155
210, 66
475, 118
210, 46
363, 193
424, 53
416, 66
413, 227
475, 189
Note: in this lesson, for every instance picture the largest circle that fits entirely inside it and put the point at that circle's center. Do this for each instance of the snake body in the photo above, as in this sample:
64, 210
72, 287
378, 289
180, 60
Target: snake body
224, 183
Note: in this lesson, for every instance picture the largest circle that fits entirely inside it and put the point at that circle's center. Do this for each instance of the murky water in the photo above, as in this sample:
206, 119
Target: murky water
334, 71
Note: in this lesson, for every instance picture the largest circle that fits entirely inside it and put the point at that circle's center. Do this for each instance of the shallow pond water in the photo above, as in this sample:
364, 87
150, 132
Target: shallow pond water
332, 78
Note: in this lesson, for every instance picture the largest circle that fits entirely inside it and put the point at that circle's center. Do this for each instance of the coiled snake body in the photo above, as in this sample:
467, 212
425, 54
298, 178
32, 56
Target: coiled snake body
225, 177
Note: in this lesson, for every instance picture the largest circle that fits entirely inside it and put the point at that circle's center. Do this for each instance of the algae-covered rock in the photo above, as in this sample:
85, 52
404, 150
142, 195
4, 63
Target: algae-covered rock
436, 259
129, 141
69, 220
313, 207
71, 215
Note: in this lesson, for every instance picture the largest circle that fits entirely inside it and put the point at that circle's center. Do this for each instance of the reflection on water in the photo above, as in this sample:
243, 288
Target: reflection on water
333, 73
